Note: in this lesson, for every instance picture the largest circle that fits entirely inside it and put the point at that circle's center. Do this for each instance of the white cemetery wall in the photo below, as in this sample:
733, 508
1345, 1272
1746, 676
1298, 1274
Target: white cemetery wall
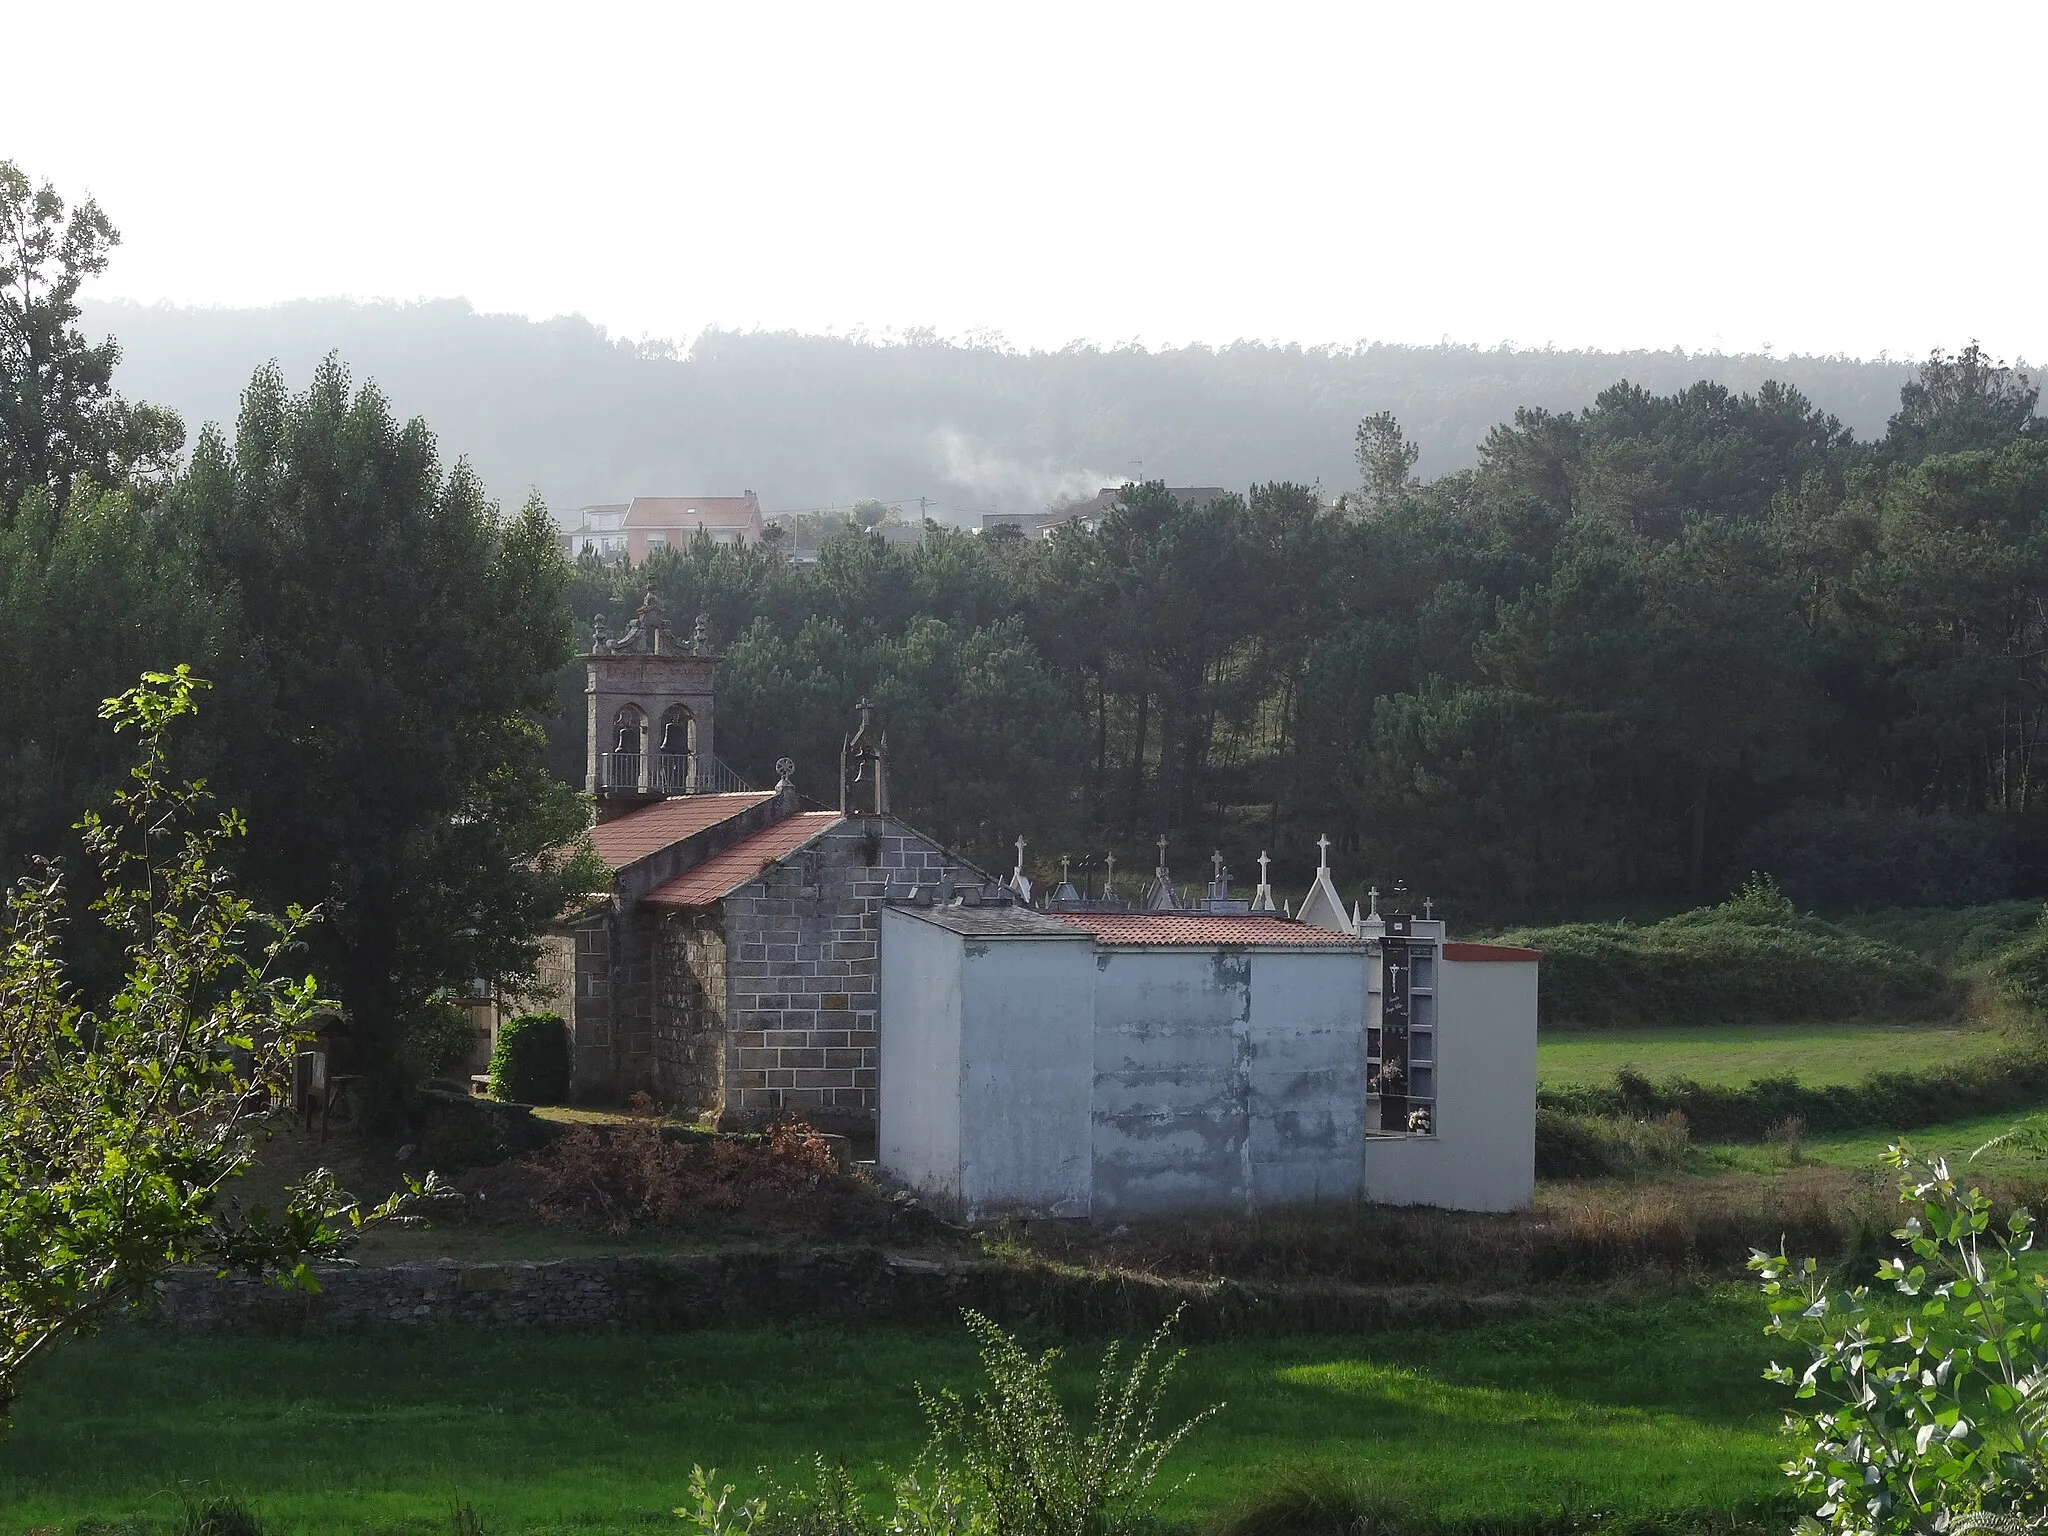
1227, 1077
919, 1135
1482, 1156
1027, 1074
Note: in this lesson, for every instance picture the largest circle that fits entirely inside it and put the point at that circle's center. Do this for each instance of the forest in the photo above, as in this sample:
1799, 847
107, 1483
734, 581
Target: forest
1632, 653
1637, 652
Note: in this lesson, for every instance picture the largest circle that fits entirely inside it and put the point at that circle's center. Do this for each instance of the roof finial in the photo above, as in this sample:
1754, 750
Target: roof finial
1427, 906
1020, 853
1109, 877
1323, 843
1372, 894
1161, 871
1216, 863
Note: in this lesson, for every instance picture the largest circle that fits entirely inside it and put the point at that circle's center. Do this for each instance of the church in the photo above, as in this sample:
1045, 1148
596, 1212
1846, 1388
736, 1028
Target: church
1004, 1052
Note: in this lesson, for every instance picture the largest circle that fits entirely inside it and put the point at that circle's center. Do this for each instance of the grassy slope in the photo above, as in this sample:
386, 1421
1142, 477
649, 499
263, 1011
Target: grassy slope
1653, 1406
1815, 1054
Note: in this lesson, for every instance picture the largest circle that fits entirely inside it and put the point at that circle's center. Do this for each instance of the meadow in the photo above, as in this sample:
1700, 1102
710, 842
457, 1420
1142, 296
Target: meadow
1645, 1408
1737, 1054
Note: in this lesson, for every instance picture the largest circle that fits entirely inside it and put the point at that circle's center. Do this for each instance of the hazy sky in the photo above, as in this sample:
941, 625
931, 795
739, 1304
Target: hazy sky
1833, 178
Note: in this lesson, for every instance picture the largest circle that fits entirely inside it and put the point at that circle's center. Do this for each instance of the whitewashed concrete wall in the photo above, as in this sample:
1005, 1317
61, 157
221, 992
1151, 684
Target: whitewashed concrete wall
986, 1066
1483, 1155
919, 1025
1226, 1077
1027, 1075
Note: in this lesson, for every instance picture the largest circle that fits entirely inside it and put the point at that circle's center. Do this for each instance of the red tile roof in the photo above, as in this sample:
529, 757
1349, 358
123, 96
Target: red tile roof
653, 827
1490, 952
723, 873
688, 512
1130, 928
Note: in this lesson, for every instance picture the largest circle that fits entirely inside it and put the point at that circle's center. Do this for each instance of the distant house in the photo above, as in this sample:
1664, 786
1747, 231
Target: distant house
1087, 514
637, 528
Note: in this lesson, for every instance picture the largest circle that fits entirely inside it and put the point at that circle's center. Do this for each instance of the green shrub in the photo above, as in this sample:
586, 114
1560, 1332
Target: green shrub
1572, 1146
1010, 1461
530, 1064
2021, 970
1895, 1101
1950, 937
434, 1038
1750, 960
1930, 1408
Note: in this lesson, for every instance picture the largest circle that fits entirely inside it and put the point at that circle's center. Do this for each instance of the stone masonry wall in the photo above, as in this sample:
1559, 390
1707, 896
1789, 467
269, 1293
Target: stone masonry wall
689, 1015
801, 974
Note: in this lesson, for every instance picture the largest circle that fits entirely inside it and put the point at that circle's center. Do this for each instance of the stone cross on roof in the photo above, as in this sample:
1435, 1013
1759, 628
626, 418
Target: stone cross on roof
1109, 877
1263, 862
1216, 863
1323, 843
1161, 870
1020, 853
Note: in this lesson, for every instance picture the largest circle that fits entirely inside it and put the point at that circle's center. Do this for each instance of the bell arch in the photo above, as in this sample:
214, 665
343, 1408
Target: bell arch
675, 752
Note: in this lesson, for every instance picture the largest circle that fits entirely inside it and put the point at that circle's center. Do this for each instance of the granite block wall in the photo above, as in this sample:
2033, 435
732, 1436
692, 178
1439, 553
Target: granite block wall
802, 947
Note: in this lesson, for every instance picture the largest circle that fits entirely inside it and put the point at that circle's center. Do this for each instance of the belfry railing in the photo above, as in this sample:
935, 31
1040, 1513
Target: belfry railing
667, 773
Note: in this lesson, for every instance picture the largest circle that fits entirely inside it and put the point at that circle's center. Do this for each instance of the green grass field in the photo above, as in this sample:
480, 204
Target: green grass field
1641, 1408
1736, 1055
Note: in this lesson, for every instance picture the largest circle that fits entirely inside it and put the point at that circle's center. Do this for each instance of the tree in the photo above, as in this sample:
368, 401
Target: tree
124, 1120
59, 415
1962, 403
390, 648
1386, 461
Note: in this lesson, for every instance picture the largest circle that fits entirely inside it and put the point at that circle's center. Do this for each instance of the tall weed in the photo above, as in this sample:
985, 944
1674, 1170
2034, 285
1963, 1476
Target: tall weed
1006, 1462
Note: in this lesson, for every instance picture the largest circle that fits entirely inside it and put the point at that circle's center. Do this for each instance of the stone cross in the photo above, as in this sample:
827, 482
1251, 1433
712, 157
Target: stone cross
1426, 905
1109, 878
1216, 863
1162, 854
1064, 861
1373, 895
1263, 862
1324, 844
1020, 853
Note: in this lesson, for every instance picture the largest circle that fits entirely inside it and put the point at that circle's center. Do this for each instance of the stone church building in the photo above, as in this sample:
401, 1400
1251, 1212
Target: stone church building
730, 971
757, 955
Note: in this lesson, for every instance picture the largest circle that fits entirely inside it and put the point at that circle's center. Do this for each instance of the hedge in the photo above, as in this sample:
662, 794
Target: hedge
530, 1064
1748, 961
1894, 1101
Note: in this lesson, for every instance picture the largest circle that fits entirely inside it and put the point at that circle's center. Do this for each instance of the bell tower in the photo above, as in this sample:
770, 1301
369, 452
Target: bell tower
649, 721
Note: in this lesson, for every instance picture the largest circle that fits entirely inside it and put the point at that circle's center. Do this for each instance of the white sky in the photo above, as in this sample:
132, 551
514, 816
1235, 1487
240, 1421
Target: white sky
1821, 178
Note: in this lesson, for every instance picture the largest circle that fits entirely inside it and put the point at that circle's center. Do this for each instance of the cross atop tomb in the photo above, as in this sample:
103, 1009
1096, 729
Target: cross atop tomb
1109, 877
1216, 863
1020, 853
1161, 871
1263, 862
1323, 843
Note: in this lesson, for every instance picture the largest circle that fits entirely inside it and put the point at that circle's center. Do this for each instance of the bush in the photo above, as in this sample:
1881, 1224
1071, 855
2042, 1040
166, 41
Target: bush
1572, 1146
1010, 1461
1929, 1408
1950, 937
434, 1038
1845, 856
2021, 971
1895, 1101
530, 1064
1750, 960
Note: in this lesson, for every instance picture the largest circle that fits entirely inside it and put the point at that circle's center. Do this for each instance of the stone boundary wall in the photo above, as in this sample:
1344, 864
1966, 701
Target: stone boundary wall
740, 1287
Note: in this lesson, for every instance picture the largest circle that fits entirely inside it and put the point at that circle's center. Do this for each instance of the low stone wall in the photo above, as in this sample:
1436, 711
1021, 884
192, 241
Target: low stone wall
733, 1287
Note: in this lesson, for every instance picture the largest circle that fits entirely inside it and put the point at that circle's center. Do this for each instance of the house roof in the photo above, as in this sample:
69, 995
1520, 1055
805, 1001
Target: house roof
652, 828
726, 871
690, 511
1196, 928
